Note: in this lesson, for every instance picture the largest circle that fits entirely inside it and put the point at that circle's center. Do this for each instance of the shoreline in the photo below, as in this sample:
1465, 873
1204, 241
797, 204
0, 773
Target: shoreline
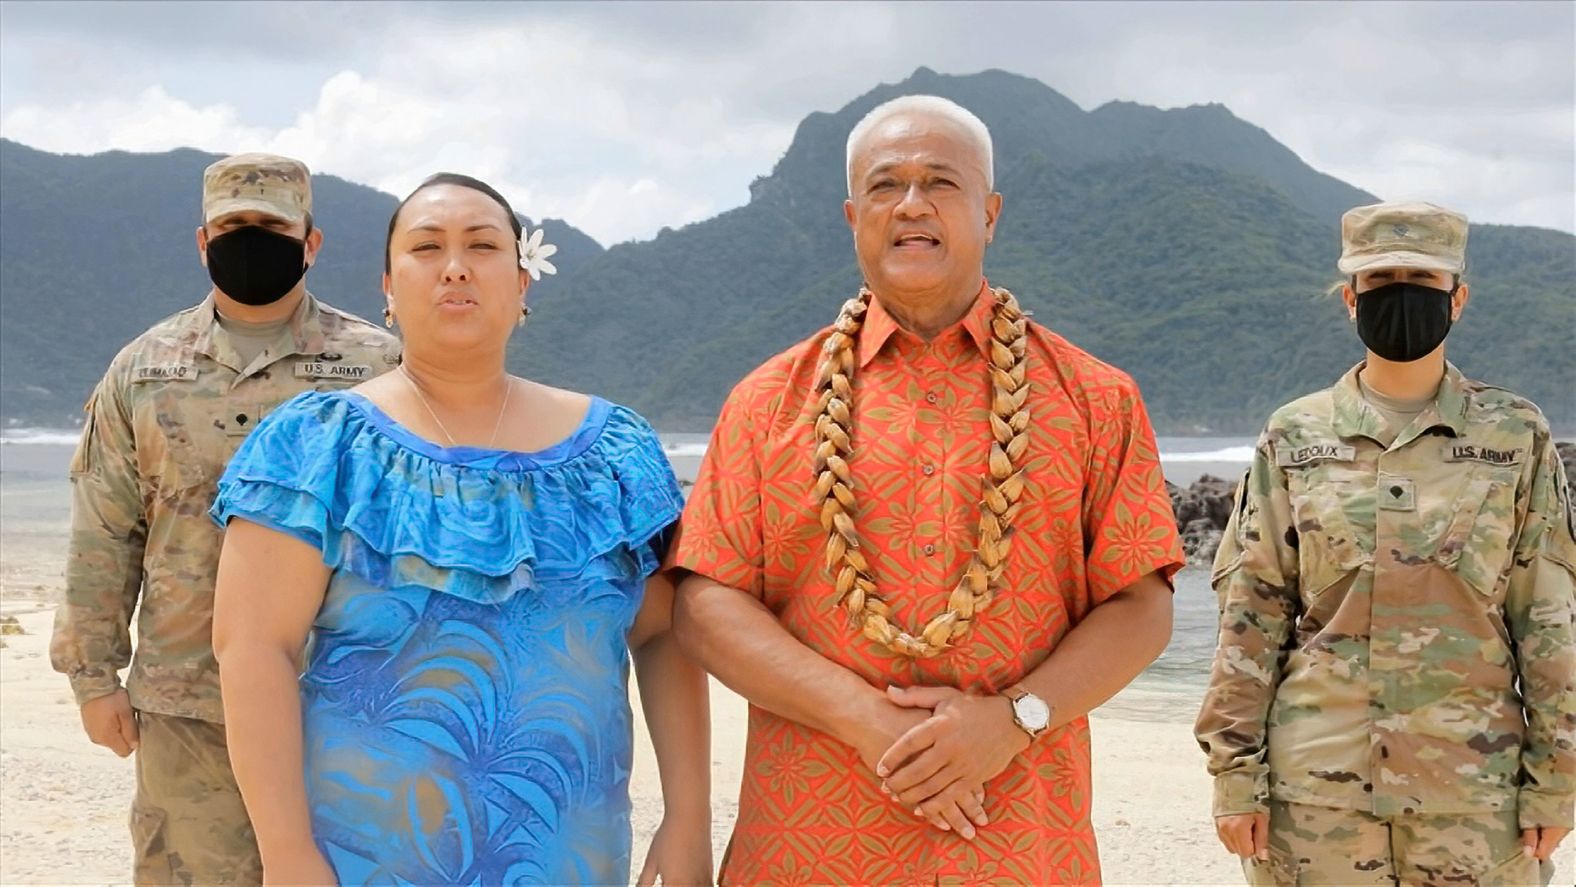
65, 802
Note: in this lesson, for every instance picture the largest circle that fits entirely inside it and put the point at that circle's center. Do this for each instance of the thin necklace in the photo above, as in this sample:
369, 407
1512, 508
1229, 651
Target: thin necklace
447, 436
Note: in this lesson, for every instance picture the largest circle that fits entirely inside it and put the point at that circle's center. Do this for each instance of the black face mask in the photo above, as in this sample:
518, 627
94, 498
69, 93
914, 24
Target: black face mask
1403, 321
255, 266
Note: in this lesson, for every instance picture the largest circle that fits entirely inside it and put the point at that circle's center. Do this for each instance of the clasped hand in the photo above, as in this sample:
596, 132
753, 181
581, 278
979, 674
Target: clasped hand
941, 747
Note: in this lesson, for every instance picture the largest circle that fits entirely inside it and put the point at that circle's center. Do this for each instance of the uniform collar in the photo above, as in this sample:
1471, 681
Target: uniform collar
1355, 418
1450, 404
306, 332
879, 325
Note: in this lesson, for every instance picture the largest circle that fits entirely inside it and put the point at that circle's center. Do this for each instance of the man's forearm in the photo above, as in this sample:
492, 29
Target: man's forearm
92, 634
1104, 652
1257, 617
91, 641
1540, 609
733, 636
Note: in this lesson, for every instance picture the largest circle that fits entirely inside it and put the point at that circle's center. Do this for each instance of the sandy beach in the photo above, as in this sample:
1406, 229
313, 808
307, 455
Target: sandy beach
64, 801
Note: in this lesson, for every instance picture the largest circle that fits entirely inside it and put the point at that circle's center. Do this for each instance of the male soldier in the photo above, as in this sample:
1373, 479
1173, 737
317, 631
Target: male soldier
168, 414
1394, 693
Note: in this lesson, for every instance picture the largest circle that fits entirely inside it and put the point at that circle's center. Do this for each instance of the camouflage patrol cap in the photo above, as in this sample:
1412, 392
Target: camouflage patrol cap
1403, 235
268, 183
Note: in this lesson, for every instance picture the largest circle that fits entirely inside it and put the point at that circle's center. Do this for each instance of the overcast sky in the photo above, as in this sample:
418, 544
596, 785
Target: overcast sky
625, 117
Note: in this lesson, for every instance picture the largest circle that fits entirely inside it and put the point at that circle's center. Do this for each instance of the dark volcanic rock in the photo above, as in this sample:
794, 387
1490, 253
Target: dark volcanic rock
1203, 508
1202, 511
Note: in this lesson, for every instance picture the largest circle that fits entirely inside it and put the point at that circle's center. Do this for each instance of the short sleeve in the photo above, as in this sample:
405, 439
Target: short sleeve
1127, 515
649, 491
720, 534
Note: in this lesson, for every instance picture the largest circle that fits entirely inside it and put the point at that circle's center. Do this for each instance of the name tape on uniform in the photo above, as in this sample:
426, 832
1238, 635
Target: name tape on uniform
166, 372
315, 369
1292, 457
1473, 453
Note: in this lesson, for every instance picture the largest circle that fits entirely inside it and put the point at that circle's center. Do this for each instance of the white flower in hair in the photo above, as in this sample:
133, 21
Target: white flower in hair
534, 253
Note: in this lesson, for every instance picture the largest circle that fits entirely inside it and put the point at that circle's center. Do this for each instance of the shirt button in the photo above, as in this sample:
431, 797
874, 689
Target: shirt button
930, 549
929, 470
931, 397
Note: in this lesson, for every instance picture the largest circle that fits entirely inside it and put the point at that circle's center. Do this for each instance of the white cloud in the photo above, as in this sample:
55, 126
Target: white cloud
643, 205
152, 120
624, 119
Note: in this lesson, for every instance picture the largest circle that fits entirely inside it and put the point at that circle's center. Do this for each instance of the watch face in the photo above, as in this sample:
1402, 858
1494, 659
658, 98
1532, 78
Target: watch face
1033, 713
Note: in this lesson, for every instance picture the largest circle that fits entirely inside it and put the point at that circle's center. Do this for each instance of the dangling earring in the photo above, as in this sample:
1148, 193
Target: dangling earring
525, 311
388, 318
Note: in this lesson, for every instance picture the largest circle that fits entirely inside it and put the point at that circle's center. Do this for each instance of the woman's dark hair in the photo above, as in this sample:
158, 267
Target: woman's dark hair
463, 181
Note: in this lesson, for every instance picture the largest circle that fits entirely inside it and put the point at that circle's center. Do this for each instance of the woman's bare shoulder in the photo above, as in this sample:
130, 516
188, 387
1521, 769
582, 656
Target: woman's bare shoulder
557, 401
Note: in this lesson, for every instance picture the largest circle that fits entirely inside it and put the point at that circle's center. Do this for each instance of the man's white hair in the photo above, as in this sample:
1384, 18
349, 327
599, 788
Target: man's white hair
935, 106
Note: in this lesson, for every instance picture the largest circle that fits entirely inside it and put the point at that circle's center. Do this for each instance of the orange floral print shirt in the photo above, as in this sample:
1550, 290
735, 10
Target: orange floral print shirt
1095, 517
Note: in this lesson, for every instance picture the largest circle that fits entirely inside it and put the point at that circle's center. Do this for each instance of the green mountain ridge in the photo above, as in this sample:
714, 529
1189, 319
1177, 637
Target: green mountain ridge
95, 249
1185, 246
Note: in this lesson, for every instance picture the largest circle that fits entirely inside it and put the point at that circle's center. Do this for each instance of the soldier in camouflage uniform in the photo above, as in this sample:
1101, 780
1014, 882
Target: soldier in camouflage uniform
161, 425
1392, 696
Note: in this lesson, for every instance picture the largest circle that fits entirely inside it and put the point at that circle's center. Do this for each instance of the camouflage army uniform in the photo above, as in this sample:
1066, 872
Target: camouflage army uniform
1396, 653
163, 422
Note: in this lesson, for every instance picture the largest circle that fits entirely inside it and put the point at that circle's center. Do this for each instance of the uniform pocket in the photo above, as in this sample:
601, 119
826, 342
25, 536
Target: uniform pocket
1477, 546
151, 858
167, 449
1278, 871
1328, 502
82, 457
1517, 871
1221, 569
1231, 551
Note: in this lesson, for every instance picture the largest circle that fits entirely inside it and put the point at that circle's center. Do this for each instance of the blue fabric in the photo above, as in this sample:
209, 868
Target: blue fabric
465, 700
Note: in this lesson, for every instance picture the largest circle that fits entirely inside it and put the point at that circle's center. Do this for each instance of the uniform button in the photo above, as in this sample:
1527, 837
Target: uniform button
929, 470
930, 549
931, 397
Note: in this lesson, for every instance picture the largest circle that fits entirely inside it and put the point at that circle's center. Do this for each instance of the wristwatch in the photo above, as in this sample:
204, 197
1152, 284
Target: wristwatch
1029, 712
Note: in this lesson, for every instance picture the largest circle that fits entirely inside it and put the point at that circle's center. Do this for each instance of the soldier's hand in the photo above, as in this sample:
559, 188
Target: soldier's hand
1540, 842
1245, 834
109, 722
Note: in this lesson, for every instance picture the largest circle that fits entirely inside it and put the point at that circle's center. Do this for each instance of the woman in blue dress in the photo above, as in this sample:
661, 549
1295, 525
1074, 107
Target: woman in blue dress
473, 557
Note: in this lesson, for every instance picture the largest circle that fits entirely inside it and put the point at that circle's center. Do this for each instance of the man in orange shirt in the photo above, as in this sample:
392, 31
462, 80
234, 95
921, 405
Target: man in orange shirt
924, 544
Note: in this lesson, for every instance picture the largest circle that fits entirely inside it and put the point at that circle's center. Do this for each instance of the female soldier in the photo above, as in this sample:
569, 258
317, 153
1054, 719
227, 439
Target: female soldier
1392, 699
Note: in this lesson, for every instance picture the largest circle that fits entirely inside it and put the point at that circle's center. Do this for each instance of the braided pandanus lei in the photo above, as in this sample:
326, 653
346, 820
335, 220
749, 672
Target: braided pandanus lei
1001, 488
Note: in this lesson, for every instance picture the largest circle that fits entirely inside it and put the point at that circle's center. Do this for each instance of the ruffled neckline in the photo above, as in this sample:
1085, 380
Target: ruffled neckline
583, 437
398, 510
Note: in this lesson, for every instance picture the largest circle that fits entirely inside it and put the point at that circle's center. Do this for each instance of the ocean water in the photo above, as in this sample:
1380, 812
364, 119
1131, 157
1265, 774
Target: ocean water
35, 513
1185, 459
